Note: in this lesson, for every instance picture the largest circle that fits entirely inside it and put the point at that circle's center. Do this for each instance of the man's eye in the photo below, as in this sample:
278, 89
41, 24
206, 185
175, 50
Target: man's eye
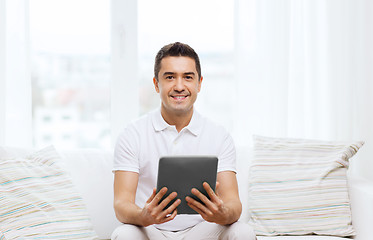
188, 77
169, 77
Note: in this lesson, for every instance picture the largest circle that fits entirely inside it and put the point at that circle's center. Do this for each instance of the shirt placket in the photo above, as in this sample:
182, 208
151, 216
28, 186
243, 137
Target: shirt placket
176, 144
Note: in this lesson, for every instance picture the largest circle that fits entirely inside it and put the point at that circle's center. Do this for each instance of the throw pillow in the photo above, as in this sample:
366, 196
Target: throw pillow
38, 200
299, 186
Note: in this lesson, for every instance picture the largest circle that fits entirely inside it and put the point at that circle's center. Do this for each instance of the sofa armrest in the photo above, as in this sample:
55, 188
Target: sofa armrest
361, 195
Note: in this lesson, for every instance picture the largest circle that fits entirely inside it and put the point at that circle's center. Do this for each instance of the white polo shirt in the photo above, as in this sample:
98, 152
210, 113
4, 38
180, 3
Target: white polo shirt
144, 141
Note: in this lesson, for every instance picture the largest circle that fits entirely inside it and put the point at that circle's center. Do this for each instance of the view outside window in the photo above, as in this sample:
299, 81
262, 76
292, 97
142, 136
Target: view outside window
70, 56
208, 27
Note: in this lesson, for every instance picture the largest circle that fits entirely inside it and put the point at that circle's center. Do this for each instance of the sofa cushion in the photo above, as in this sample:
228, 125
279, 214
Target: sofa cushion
306, 237
91, 173
38, 199
299, 186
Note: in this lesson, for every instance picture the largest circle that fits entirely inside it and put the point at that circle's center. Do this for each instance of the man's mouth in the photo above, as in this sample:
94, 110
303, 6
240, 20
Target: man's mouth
179, 97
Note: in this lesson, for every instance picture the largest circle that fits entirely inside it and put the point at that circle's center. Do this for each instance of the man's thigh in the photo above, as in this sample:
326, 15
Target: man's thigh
131, 232
203, 230
238, 231
212, 231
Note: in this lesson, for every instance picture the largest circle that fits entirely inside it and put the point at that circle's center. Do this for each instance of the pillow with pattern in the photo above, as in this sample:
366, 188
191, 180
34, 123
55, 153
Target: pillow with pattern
38, 200
299, 186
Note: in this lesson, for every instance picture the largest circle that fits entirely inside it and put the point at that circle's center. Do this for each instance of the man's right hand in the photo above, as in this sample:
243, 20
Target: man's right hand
154, 212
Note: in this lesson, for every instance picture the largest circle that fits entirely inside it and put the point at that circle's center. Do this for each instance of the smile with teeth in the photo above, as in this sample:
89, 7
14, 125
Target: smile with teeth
179, 97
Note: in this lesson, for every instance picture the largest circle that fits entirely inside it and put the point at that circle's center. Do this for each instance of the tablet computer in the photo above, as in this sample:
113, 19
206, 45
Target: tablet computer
182, 173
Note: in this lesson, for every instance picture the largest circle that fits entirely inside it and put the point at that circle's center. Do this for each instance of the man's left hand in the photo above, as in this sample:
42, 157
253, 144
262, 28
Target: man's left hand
213, 209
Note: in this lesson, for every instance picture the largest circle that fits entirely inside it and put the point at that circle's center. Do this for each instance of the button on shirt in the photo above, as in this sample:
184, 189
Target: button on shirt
144, 141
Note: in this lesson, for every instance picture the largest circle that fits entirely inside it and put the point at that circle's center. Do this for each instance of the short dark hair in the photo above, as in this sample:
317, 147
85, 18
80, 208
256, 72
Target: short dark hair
174, 50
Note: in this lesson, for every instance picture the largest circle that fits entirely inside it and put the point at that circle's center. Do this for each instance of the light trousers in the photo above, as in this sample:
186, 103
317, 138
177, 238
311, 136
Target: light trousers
202, 231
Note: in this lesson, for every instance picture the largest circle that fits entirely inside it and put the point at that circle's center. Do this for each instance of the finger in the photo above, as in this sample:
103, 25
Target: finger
214, 198
210, 192
202, 208
159, 196
217, 186
171, 208
195, 208
167, 200
209, 206
198, 207
201, 196
172, 216
152, 196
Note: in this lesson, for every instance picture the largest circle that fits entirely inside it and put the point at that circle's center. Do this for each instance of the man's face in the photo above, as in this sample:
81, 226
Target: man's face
178, 84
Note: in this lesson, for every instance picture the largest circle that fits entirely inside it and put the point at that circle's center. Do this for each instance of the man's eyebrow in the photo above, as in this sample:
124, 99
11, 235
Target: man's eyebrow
172, 73
189, 73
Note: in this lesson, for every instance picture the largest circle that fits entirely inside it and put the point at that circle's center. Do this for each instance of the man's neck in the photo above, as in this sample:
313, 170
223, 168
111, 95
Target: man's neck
179, 120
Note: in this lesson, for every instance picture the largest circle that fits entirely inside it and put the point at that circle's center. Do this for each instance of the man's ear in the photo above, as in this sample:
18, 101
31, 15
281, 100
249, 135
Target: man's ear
199, 84
155, 82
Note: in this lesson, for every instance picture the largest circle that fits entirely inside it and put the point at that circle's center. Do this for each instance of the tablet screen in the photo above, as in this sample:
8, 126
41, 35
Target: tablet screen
182, 173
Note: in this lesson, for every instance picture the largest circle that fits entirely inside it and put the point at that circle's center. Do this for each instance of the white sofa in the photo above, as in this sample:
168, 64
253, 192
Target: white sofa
90, 170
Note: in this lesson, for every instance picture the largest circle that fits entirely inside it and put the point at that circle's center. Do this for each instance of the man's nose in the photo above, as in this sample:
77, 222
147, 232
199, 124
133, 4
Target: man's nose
179, 84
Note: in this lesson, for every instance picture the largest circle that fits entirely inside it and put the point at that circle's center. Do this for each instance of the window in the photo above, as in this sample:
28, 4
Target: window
70, 72
82, 95
208, 27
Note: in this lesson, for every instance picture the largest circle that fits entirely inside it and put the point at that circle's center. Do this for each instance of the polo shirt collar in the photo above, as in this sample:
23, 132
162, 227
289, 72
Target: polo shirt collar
195, 125
159, 123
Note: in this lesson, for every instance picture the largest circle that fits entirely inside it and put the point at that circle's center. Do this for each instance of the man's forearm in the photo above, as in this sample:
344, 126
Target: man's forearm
128, 213
234, 211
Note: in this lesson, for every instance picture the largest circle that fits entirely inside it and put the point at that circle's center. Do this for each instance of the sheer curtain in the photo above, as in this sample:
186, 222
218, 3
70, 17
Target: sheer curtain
305, 69
15, 83
16, 117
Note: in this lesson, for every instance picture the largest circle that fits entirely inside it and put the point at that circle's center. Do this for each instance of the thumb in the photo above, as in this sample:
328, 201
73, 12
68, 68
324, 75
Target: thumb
217, 187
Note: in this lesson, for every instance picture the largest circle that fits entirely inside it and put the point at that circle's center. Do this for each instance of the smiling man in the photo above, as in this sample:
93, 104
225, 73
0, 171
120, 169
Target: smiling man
175, 129
178, 83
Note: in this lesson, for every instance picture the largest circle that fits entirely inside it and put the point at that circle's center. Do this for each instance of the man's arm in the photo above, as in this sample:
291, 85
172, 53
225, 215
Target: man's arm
224, 206
125, 185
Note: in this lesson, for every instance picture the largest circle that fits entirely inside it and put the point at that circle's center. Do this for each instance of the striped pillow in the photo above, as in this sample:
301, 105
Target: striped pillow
299, 187
38, 200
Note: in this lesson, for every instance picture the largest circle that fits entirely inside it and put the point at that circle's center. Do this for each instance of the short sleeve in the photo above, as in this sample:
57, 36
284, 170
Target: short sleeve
227, 154
126, 151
